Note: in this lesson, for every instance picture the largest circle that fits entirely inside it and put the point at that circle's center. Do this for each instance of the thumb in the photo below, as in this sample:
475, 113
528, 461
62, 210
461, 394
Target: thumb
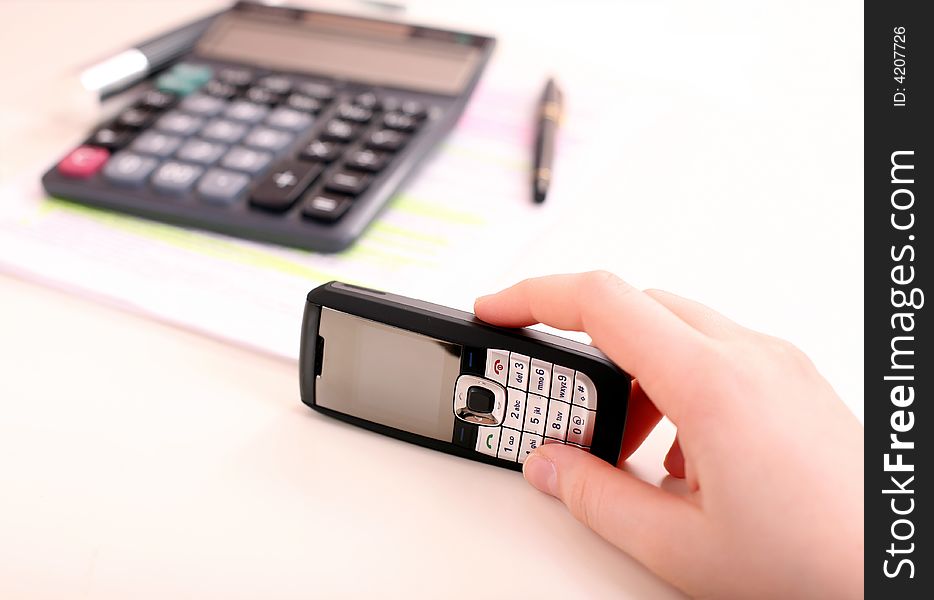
657, 528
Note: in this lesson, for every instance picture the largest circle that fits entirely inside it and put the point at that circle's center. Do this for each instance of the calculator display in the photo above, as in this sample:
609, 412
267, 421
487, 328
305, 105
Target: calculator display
387, 375
368, 51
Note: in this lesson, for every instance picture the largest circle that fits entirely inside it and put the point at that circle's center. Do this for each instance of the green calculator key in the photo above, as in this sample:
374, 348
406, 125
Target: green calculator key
184, 78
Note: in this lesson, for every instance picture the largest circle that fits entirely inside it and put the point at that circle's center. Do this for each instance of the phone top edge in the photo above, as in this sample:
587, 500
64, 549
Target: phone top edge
321, 295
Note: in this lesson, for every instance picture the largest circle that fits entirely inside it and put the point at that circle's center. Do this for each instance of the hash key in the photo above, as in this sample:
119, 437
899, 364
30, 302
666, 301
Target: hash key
348, 182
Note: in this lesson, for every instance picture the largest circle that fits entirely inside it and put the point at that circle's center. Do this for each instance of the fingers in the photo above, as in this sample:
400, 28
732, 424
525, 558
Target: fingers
653, 526
635, 331
700, 317
641, 419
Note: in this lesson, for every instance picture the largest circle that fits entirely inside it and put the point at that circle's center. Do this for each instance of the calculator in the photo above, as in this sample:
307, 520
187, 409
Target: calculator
282, 125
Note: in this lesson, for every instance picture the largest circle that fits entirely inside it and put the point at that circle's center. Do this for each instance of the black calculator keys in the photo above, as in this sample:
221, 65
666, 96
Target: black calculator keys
135, 118
339, 131
304, 103
219, 89
179, 123
157, 144
261, 95
288, 119
202, 105
235, 76
319, 91
386, 139
367, 100
348, 182
111, 138
156, 100
325, 207
320, 150
413, 109
279, 190
367, 160
276, 84
354, 113
246, 112
399, 121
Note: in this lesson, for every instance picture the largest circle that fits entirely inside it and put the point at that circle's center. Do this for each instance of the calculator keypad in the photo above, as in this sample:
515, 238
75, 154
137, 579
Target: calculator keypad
278, 142
543, 404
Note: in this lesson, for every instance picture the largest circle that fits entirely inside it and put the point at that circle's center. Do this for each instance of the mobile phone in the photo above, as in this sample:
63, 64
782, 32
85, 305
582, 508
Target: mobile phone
443, 379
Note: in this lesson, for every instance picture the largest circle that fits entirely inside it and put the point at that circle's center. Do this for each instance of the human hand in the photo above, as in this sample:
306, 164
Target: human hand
771, 456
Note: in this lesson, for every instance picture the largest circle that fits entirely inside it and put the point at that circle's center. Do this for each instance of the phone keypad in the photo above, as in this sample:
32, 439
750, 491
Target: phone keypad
545, 403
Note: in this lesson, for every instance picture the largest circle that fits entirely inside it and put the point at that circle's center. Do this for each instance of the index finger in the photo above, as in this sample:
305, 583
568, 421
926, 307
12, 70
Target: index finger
634, 330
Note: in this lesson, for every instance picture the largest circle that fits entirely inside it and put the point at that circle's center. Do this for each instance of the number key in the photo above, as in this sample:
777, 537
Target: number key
515, 409
509, 444
529, 442
536, 413
540, 379
557, 425
518, 371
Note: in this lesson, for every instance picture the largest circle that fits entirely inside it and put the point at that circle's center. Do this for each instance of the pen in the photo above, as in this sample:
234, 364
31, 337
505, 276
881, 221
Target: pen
119, 72
549, 115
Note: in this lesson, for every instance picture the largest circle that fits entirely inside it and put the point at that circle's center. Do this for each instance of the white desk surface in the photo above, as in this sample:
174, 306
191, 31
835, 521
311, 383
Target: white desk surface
140, 460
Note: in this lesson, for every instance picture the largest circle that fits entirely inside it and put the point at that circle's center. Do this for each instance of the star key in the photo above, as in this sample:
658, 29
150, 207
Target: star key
282, 187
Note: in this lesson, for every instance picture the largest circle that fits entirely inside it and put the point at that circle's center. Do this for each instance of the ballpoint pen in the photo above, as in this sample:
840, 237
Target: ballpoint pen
549, 116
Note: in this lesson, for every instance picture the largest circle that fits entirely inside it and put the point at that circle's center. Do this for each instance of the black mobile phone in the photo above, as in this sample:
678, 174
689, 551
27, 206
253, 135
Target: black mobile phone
443, 379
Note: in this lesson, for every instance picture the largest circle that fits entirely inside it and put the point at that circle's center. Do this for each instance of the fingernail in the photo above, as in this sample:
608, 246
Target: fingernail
541, 473
481, 299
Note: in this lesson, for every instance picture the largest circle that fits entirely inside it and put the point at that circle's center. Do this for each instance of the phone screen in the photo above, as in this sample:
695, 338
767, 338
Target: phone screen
387, 375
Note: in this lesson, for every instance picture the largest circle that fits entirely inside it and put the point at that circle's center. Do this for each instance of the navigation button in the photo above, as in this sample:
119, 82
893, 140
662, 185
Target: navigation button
585, 393
488, 440
497, 365
480, 400
580, 428
462, 411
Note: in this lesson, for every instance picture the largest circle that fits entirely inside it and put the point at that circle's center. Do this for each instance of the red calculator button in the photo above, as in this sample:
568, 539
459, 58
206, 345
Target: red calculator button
83, 162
